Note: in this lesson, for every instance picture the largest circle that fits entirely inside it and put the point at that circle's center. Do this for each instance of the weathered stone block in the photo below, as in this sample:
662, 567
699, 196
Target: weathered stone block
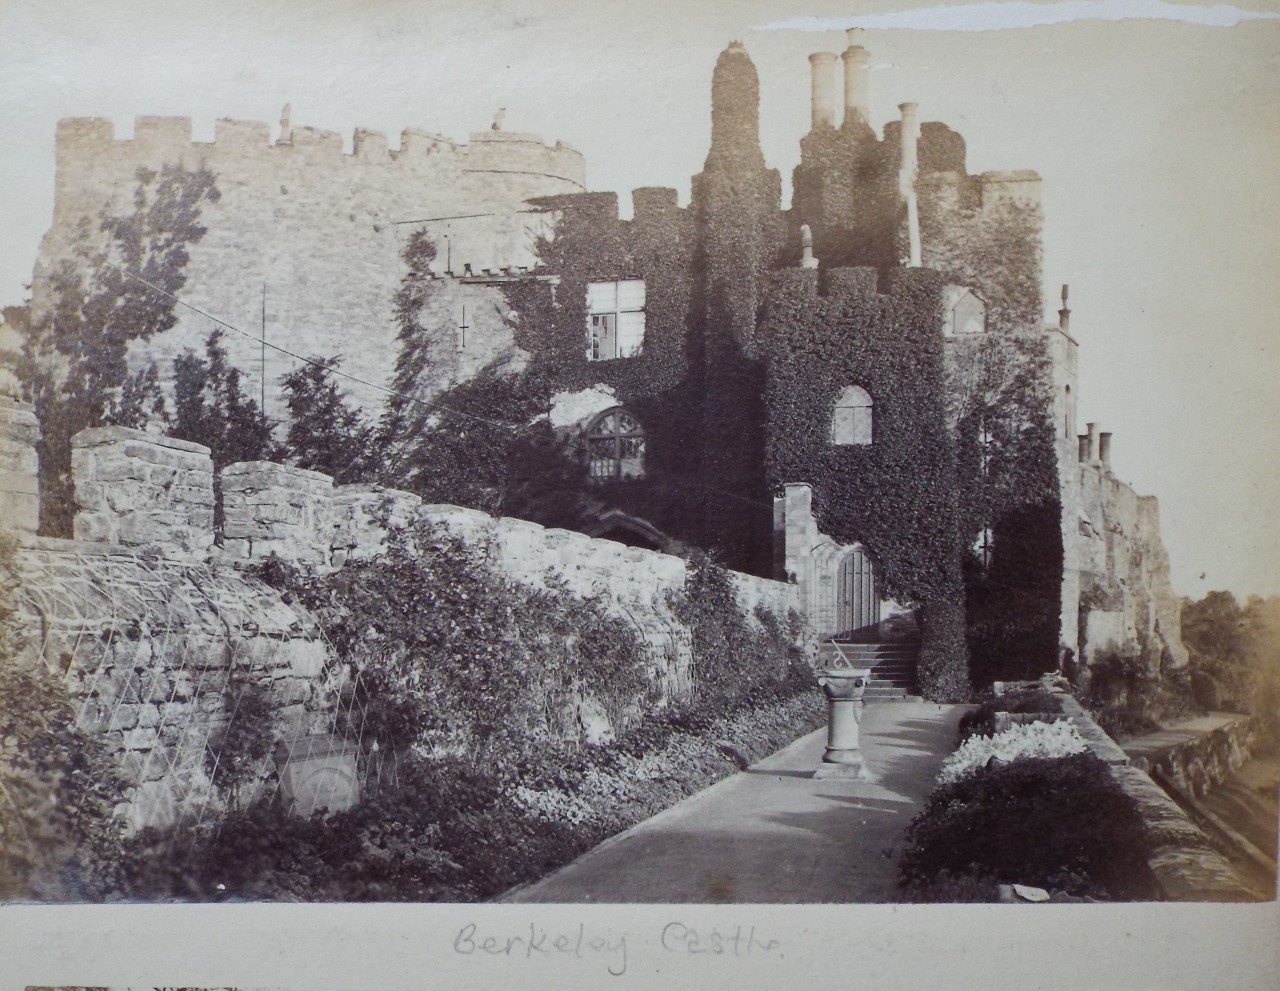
138, 739
125, 717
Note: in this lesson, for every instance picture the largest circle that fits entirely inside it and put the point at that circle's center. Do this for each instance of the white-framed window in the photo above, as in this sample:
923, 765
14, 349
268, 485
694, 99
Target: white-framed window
851, 422
615, 319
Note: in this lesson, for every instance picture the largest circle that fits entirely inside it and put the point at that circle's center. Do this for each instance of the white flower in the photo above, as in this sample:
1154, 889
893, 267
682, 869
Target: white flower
1056, 739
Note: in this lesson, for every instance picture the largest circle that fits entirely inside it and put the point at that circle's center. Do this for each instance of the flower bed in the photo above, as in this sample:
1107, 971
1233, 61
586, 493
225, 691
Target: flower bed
457, 830
1036, 739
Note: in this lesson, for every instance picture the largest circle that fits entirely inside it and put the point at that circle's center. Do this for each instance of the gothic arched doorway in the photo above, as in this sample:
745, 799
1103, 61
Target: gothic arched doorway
857, 596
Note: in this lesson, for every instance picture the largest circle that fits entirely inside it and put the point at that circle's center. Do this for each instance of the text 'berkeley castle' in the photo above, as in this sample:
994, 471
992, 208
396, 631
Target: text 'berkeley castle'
856, 396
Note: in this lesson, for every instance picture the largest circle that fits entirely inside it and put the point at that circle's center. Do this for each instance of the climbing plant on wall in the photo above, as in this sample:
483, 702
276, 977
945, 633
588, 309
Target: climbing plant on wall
897, 495
1000, 394
455, 657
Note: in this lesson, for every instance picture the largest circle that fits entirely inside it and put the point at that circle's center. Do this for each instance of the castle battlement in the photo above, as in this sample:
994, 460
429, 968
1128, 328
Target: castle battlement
82, 143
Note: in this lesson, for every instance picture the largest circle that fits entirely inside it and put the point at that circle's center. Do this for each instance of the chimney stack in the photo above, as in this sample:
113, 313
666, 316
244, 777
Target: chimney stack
823, 67
1104, 450
1093, 442
907, 179
857, 89
1064, 314
1082, 454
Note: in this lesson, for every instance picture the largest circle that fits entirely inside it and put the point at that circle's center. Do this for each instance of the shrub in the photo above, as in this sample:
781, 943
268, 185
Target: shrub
58, 840
982, 719
1061, 824
732, 657
1128, 700
451, 655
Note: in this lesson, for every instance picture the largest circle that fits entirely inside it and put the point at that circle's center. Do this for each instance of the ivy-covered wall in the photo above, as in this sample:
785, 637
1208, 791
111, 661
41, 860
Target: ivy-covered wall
896, 496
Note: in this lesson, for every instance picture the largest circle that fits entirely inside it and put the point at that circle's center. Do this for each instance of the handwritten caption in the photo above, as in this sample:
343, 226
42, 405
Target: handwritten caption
536, 942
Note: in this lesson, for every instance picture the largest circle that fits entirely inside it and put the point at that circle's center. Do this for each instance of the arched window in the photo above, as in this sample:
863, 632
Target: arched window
615, 445
851, 421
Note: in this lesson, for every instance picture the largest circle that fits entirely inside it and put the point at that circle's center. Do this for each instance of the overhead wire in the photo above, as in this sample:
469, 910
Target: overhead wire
391, 393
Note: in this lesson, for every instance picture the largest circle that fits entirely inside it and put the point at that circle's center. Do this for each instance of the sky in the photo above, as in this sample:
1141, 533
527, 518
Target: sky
1155, 126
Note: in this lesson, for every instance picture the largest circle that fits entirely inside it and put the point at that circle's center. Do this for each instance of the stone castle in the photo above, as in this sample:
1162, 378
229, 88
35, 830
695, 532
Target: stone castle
790, 374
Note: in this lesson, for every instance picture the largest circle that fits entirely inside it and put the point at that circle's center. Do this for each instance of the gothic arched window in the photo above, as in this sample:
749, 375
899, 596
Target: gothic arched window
615, 445
851, 421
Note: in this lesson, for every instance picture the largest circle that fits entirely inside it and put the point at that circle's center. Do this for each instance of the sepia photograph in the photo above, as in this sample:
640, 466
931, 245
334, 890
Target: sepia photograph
567, 493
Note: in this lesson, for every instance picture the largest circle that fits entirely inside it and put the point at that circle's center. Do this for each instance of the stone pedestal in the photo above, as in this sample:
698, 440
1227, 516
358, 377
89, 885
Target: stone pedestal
843, 688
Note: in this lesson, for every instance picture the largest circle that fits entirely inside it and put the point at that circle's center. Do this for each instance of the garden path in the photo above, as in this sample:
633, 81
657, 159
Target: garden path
773, 834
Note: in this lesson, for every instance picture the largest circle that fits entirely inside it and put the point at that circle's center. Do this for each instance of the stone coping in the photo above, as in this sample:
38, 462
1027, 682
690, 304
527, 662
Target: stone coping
97, 436
275, 468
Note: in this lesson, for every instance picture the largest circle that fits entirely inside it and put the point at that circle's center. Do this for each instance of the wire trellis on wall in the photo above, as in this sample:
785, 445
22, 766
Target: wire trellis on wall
200, 679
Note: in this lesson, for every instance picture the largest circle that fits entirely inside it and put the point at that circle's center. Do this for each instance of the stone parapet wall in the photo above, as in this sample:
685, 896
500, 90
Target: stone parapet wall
139, 490
633, 583
361, 517
1186, 863
277, 509
19, 469
1200, 765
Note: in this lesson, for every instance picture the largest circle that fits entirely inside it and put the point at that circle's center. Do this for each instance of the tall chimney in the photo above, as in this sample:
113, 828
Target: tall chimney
1104, 450
1082, 454
857, 89
1093, 442
823, 67
907, 179
1064, 314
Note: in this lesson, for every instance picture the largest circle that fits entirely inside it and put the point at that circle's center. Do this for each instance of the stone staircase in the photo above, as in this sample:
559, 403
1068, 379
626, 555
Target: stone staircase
892, 664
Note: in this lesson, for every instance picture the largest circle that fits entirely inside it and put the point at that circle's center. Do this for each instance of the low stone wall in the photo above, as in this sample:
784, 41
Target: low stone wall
155, 653
1186, 864
269, 508
19, 493
632, 582
139, 490
157, 632
1200, 765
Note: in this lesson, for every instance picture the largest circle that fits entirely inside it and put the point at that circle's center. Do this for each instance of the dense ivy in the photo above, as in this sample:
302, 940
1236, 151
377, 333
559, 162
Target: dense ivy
58, 789
732, 657
454, 656
898, 495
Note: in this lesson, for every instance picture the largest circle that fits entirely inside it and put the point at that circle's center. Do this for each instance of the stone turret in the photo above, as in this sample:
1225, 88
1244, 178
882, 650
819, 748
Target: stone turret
736, 206
735, 111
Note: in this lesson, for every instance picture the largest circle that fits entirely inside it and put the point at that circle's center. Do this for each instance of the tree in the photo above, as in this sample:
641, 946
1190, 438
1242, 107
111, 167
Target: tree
406, 416
325, 433
115, 288
211, 408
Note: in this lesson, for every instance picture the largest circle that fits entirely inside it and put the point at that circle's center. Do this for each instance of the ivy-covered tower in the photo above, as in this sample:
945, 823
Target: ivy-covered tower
736, 206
